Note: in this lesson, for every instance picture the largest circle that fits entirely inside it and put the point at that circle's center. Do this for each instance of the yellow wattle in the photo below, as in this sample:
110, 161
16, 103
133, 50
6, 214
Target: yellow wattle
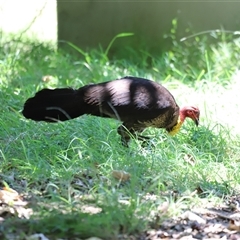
176, 128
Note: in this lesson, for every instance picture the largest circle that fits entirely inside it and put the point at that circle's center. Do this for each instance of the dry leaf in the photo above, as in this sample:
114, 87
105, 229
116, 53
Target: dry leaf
234, 225
163, 208
121, 175
47, 78
93, 238
8, 195
37, 236
13, 204
125, 202
91, 209
193, 217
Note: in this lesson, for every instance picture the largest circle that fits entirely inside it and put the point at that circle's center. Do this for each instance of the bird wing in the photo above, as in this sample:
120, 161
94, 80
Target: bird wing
130, 99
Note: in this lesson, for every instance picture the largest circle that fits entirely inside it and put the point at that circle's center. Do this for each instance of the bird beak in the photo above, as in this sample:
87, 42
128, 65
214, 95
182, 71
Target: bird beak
196, 120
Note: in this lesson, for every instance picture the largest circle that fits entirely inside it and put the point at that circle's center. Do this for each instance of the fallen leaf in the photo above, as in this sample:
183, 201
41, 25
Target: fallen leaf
93, 238
37, 236
121, 175
193, 217
234, 225
47, 78
12, 203
214, 228
91, 209
163, 208
125, 202
8, 195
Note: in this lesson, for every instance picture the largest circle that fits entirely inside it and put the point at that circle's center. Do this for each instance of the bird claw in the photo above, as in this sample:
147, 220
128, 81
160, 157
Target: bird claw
144, 140
127, 134
125, 142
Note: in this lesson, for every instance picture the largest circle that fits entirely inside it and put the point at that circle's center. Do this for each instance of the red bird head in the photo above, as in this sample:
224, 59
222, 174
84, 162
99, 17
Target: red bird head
191, 112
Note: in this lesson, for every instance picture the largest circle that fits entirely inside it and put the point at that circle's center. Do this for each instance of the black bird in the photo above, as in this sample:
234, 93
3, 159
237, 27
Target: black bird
137, 102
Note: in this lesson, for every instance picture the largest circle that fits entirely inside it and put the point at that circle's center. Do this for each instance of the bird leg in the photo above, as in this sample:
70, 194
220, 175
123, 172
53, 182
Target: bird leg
125, 135
143, 138
126, 132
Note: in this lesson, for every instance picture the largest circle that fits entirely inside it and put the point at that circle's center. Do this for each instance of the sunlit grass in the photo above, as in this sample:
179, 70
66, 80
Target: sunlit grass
62, 168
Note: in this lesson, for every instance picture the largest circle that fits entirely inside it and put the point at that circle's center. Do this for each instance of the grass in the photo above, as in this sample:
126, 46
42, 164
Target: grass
64, 170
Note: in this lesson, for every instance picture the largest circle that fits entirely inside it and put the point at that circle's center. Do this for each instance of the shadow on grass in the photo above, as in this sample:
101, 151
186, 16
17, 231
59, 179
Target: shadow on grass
107, 224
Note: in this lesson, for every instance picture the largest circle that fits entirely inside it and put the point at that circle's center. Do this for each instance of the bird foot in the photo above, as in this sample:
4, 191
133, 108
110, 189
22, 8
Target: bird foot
143, 138
145, 141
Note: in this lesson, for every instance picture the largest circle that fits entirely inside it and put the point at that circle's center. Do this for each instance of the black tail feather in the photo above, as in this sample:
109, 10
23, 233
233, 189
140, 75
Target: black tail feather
59, 104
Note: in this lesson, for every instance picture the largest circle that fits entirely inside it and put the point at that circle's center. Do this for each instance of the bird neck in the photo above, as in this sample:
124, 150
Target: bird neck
177, 127
182, 115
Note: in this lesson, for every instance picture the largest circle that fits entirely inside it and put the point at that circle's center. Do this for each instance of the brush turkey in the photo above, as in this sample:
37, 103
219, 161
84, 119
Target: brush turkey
137, 102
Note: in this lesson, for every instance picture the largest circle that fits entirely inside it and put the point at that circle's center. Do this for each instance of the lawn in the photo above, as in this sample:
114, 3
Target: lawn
60, 180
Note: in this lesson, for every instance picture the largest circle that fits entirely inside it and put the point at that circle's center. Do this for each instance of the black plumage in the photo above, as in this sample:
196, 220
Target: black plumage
136, 102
